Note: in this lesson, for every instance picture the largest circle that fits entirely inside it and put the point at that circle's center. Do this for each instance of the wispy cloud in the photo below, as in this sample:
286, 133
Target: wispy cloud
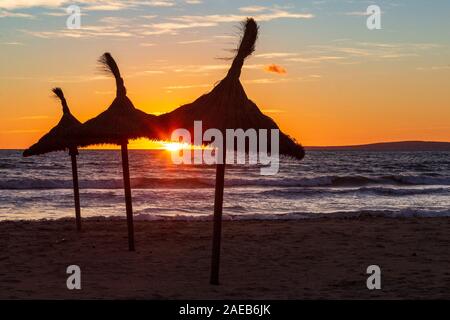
147, 44
271, 55
349, 52
90, 5
215, 19
194, 41
14, 4
357, 13
13, 43
87, 31
252, 9
105, 6
172, 28
10, 14
177, 23
194, 1
434, 68
187, 86
112, 26
160, 3
266, 80
200, 68
315, 59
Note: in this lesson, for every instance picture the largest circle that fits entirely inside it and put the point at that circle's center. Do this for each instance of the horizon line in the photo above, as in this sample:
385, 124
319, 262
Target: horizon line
311, 146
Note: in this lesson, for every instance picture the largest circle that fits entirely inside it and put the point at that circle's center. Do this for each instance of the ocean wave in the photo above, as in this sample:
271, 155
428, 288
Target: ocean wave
190, 182
343, 181
404, 213
136, 183
381, 191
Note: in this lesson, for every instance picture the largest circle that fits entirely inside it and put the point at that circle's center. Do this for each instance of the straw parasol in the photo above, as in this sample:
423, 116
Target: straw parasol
116, 125
228, 107
55, 140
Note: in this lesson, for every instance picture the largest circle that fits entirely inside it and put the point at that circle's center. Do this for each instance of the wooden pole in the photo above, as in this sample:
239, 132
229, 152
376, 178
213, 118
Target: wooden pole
217, 228
76, 192
127, 188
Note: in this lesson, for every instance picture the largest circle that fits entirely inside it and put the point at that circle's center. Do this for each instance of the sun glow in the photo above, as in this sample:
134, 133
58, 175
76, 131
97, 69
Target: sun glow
176, 146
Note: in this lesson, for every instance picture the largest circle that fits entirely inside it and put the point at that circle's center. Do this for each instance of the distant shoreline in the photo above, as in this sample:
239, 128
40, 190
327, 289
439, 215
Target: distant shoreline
389, 146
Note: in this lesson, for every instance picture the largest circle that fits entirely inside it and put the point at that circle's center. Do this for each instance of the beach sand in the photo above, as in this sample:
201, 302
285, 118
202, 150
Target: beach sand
309, 259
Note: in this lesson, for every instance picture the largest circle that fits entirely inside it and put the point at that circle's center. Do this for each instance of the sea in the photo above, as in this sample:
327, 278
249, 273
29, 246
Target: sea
324, 184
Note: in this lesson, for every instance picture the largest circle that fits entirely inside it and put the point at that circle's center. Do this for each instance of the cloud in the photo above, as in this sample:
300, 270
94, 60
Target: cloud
168, 25
156, 3
200, 68
175, 24
344, 51
13, 43
147, 44
111, 28
76, 79
252, 9
266, 81
14, 4
194, 41
187, 86
275, 69
106, 6
91, 5
315, 59
357, 13
57, 13
215, 19
194, 1
280, 14
271, 55
9, 14
81, 33
433, 68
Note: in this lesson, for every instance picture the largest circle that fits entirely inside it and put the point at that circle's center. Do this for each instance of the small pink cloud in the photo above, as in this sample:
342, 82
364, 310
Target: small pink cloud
275, 69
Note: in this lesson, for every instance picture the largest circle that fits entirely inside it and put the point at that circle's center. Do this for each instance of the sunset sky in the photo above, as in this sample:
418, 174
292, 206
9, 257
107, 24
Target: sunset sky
318, 70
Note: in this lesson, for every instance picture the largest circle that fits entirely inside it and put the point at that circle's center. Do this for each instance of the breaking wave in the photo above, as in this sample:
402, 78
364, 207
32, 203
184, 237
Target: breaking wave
189, 182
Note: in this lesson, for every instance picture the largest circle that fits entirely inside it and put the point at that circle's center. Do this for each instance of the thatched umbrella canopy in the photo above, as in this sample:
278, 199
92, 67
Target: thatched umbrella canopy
120, 122
56, 140
228, 107
116, 125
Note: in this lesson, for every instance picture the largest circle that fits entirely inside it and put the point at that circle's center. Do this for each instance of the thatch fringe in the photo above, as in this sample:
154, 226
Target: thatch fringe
56, 138
59, 93
109, 65
246, 46
120, 122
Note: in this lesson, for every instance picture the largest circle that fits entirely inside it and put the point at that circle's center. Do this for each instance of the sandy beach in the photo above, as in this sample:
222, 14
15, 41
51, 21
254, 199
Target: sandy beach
310, 259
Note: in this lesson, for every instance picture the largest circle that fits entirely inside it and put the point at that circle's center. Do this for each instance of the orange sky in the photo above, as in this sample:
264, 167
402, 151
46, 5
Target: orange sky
333, 87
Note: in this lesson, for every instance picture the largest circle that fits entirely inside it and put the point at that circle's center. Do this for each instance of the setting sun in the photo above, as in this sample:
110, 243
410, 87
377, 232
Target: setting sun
175, 146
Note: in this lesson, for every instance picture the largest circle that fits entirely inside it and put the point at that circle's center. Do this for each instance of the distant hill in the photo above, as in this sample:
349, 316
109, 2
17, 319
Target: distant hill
391, 146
